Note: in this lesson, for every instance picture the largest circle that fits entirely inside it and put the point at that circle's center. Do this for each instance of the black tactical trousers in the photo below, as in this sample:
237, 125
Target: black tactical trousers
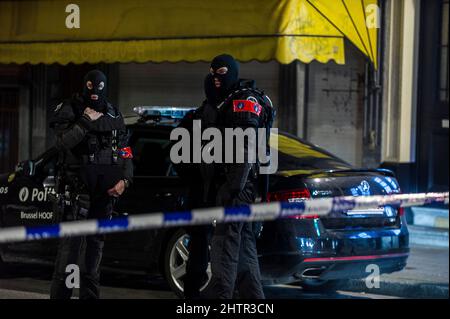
69, 251
197, 264
86, 252
234, 258
234, 262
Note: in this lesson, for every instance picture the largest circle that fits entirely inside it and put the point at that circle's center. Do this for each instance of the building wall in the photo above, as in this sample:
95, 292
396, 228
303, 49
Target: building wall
15, 131
335, 106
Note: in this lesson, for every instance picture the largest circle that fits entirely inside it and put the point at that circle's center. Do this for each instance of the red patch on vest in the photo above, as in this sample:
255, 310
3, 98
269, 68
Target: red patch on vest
246, 106
126, 152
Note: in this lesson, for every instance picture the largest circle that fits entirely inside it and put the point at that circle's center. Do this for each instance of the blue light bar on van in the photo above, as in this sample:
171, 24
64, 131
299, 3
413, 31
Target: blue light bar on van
173, 112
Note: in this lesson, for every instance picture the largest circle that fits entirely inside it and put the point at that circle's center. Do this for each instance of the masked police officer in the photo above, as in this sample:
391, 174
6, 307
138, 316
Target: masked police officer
234, 261
202, 192
94, 167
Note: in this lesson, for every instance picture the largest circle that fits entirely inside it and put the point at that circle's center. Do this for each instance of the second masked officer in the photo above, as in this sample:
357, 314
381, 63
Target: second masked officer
202, 192
94, 167
234, 260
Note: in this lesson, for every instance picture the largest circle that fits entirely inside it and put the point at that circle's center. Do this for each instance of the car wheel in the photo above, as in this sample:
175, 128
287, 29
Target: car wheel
317, 285
175, 259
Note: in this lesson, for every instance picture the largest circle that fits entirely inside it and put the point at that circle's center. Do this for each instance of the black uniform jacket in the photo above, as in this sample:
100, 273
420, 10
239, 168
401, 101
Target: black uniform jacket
242, 109
75, 131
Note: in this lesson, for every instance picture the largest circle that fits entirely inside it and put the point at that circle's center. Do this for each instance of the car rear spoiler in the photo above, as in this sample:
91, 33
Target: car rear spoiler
383, 171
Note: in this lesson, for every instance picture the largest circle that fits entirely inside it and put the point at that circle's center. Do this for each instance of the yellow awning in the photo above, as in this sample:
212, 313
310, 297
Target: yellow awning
171, 30
350, 17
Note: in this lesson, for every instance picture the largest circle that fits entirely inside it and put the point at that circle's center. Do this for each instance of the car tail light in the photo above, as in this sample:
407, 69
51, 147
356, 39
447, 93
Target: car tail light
292, 195
289, 196
304, 216
401, 211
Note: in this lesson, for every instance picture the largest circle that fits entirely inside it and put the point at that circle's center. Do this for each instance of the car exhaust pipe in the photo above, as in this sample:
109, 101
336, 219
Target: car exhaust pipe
312, 273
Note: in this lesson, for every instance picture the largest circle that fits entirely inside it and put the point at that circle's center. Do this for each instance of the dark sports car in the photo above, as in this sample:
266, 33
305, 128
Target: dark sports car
319, 253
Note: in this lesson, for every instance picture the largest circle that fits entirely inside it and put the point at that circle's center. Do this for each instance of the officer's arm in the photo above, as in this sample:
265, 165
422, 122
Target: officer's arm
126, 154
128, 170
247, 118
108, 122
238, 173
69, 130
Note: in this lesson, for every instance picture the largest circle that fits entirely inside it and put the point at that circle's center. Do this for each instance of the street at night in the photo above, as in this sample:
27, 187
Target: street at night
224, 158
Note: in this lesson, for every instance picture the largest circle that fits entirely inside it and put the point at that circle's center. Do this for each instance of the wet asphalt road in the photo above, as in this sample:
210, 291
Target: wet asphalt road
33, 282
425, 276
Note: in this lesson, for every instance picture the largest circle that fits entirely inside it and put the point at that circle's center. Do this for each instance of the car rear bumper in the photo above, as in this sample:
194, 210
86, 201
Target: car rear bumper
325, 269
329, 255
351, 267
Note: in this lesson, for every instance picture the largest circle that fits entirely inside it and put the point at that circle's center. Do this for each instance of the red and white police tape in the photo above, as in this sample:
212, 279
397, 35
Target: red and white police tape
254, 212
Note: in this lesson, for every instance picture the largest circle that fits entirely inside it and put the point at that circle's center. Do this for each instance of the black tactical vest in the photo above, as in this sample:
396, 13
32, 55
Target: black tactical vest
101, 144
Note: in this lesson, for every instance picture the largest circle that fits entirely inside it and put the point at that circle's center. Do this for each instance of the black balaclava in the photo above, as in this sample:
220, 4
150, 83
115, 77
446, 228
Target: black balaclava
227, 81
210, 90
94, 90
